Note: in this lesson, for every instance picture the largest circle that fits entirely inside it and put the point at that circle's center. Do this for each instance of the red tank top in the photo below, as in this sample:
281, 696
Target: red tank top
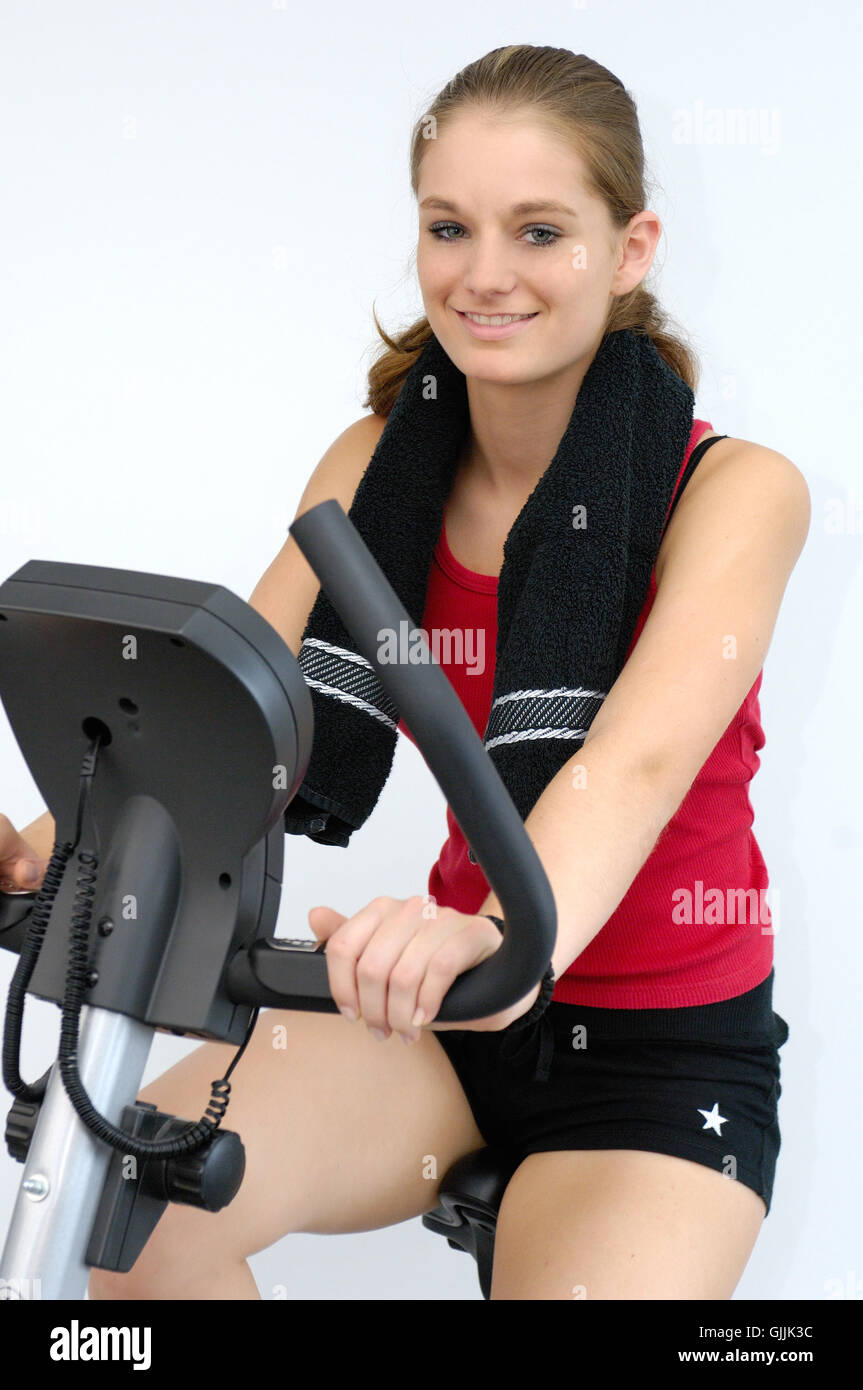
694, 926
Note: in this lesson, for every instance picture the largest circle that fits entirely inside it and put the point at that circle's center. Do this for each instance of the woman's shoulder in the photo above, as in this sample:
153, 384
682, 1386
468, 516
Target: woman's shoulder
368, 428
737, 478
741, 453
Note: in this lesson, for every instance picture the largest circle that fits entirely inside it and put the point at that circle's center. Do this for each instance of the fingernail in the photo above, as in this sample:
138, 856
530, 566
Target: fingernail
418, 1019
30, 872
349, 1015
406, 1039
378, 1033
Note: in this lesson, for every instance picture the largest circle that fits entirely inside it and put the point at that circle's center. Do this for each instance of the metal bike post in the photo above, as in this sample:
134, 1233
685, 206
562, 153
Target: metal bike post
66, 1165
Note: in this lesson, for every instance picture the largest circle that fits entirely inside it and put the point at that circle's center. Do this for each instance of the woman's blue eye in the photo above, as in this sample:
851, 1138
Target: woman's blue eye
440, 227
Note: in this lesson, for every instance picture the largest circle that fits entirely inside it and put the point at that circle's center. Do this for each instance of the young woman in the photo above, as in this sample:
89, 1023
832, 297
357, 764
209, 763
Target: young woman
648, 1151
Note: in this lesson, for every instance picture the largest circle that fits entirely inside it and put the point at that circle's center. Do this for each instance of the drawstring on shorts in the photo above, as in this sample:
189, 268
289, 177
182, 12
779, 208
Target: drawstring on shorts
539, 1034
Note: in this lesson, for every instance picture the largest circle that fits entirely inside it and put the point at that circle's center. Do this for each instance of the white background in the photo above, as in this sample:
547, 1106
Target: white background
201, 202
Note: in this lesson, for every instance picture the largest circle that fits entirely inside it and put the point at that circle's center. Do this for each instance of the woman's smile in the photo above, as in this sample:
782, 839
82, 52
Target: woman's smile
494, 326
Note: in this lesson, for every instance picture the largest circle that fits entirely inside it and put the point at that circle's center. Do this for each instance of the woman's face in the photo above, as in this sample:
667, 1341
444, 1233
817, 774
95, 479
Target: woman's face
477, 253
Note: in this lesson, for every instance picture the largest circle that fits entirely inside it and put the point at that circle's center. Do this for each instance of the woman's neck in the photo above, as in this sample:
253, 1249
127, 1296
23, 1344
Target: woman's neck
514, 431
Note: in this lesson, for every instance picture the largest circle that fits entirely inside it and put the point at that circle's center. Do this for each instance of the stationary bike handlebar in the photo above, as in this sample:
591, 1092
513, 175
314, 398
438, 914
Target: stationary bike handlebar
368, 605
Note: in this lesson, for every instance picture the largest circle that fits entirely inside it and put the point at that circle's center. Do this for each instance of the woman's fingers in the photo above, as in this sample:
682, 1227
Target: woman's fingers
471, 940
394, 961
325, 921
406, 1010
399, 926
20, 865
356, 995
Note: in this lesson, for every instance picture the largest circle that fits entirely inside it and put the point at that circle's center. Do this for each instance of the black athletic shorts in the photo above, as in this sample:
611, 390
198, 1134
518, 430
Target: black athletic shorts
701, 1082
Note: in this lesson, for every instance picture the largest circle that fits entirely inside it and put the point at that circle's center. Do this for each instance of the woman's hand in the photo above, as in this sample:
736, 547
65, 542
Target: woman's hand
392, 964
22, 868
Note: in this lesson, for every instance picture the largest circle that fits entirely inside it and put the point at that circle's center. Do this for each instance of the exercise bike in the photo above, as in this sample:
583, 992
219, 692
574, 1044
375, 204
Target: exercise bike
168, 727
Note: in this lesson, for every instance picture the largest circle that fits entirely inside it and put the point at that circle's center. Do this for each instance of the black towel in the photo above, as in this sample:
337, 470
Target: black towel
575, 576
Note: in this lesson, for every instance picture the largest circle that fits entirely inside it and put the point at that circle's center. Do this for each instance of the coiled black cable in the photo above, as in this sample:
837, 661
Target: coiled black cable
73, 998
29, 954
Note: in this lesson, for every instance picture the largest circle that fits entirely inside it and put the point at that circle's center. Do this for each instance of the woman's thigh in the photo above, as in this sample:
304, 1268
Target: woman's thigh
341, 1133
622, 1224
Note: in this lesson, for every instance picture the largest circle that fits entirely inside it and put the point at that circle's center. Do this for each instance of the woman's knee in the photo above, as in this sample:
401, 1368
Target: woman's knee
232, 1281
189, 1253
177, 1274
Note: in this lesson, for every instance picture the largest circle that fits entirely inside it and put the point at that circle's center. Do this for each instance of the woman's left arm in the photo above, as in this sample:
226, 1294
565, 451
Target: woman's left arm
725, 561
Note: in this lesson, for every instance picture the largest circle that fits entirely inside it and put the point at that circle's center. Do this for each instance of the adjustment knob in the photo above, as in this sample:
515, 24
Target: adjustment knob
210, 1177
21, 1121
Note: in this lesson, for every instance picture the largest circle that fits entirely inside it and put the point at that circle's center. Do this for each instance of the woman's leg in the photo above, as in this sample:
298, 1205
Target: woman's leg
622, 1224
341, 1132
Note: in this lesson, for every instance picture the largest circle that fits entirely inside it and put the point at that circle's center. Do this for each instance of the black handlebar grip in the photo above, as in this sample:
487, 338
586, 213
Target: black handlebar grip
15, 908
450, 745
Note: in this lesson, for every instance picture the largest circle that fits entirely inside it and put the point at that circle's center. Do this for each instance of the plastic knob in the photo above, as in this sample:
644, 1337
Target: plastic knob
208, 1177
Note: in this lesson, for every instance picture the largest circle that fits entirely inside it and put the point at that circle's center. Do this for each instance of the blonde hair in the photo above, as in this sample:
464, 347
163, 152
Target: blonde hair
591, 109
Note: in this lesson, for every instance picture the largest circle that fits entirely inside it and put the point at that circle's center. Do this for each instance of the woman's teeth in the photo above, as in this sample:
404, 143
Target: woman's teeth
498, 320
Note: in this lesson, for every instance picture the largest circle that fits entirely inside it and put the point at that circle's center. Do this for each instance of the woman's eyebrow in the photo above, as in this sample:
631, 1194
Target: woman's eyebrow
518, 210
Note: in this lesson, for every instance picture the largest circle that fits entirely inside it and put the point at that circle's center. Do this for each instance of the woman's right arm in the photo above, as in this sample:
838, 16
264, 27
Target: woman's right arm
284, 595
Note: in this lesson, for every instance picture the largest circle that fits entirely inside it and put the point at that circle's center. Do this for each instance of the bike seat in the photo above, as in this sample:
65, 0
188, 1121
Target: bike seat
469, 1199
